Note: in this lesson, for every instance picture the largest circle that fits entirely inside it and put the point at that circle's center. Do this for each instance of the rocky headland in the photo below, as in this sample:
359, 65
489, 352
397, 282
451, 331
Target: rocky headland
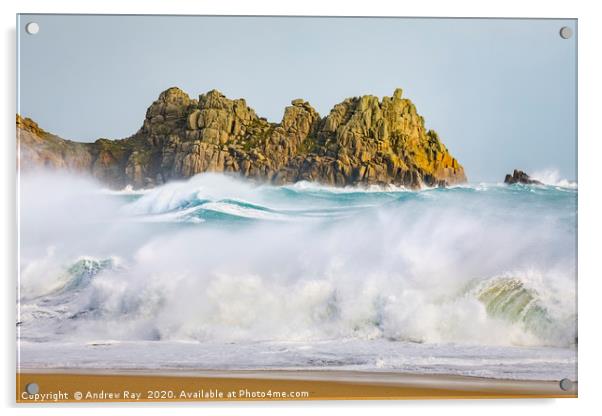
362, 141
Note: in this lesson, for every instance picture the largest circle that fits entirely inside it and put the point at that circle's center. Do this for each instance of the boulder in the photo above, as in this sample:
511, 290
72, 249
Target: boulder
518, 176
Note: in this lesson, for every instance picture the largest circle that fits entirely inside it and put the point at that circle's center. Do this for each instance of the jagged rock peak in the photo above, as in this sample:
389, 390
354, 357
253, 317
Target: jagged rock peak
174, 95
518, 176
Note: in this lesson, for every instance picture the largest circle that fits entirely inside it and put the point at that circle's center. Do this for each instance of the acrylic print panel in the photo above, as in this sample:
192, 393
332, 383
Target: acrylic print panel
293, 208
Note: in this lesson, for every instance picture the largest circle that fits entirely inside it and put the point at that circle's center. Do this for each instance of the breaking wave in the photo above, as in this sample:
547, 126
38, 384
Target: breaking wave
218, 259
552, 177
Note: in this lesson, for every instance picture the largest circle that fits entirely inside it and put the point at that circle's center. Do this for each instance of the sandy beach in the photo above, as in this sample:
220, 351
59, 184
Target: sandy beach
133, 386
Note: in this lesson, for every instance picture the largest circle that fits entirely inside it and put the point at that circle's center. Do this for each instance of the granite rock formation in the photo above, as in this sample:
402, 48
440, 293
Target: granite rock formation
362, 141
518, 176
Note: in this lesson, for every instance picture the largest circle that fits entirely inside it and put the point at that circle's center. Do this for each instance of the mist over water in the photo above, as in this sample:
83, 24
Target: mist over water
218, 259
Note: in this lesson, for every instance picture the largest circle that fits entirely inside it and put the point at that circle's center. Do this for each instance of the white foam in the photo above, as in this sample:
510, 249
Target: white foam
552, 177
397, 272
534, 363
127, 190
313, 186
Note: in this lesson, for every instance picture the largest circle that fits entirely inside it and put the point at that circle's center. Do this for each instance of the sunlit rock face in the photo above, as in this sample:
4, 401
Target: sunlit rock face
362, 141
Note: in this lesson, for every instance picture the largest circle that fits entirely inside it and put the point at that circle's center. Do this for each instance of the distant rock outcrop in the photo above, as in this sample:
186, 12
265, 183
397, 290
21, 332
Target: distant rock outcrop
363, 140
518, 176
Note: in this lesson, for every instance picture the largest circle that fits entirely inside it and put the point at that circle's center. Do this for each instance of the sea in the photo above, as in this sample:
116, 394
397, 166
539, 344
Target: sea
221, 273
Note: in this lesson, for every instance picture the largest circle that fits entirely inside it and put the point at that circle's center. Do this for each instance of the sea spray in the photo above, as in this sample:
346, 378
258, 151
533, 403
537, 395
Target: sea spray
307, 262
552, 177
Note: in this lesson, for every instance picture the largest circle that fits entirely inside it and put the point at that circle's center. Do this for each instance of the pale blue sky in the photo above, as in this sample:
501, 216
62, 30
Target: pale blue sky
500, 93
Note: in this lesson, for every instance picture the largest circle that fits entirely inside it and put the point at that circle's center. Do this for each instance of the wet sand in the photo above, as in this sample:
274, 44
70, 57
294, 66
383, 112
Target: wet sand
183, 385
